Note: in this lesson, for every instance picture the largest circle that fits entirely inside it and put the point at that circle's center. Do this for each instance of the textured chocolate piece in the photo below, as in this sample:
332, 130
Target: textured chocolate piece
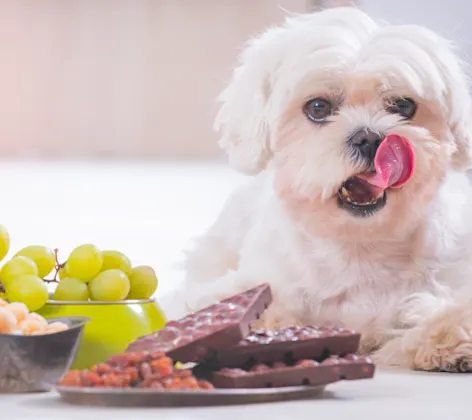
304, 372
288, 344
218, 326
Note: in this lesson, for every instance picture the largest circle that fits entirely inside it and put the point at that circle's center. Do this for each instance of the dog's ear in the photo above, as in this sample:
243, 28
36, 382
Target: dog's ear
243, 117
458, 104
462, 132
247, 114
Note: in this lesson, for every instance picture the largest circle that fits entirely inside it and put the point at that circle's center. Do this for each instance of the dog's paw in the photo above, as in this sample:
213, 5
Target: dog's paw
201, 295
446, 343
442, 343
276, 317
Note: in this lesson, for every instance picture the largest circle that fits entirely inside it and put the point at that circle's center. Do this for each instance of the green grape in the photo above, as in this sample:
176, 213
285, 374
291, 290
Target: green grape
118, 260
143, 281
29, 289
16, 267
71, 289
43, 257
84, 262
62, 273
110, 285
4, 242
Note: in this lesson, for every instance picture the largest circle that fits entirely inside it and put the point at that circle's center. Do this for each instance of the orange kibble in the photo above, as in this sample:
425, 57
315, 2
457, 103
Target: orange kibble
132, 372
72, 378
164, 370
33, 316
20, 310
137, 370
163, 367
101, 368
204, 385
55, 327
94, 379
137, 357
113, 380
7, 321
110, 380
30, 327
156, 385
3, 303
172, 383
177, 382
183, 373
189, 383
155, 364
167, 361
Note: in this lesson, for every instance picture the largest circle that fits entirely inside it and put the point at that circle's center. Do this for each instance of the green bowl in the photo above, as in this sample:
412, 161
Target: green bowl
113, 325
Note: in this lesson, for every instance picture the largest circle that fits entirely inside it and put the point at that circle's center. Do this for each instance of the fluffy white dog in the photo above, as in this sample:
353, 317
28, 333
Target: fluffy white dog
358, 212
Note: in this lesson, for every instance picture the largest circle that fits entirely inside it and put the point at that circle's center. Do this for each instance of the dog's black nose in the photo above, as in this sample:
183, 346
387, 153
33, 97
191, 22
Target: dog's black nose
366, 141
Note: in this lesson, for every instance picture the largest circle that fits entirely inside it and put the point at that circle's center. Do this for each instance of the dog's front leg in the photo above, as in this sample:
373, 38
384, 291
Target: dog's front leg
438, 336
192, 297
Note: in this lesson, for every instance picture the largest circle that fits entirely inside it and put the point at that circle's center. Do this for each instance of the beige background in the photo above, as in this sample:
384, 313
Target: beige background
139, 78
128, 78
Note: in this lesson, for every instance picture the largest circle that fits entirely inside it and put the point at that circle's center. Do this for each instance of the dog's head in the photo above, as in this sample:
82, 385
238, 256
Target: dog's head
332, 102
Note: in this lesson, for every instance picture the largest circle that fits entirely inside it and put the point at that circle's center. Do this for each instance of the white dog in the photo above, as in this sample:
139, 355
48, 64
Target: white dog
358, 213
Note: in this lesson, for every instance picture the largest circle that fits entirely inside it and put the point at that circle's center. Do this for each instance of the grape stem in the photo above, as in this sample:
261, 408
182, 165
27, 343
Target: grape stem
56, 268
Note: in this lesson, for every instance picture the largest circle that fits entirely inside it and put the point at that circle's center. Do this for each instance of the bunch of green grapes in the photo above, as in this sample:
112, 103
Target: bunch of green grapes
87, 274
103, 275
22, 276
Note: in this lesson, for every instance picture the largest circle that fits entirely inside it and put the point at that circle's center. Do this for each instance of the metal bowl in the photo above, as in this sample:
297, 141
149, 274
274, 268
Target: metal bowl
37, 363
113, 325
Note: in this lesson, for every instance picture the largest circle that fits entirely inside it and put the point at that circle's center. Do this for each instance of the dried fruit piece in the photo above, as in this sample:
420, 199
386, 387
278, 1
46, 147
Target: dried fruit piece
19, 310
7, 321
137, 370
55, 327
31, 327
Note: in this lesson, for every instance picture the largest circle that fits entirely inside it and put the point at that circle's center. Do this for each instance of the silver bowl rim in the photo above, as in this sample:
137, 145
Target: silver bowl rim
82, 320
52, 302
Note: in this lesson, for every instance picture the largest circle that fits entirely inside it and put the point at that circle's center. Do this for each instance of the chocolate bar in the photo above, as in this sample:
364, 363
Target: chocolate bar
304, 372
218, 326
287, 344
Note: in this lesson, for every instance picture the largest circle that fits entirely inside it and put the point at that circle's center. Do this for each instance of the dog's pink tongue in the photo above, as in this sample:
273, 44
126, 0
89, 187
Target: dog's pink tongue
394, 163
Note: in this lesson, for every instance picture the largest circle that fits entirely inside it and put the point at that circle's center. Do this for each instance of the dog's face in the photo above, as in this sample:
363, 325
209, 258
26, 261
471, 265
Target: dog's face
315, 100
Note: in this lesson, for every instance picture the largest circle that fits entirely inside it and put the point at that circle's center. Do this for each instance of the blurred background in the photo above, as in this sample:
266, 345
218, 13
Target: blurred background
138, 78
120, 78
106, 111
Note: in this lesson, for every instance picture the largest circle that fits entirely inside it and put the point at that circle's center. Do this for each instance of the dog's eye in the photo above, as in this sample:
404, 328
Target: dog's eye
405, 107
318, 109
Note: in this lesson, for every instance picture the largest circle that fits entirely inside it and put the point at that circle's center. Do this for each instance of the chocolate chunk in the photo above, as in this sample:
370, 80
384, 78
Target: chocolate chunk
218, 326
291, 343
305, 372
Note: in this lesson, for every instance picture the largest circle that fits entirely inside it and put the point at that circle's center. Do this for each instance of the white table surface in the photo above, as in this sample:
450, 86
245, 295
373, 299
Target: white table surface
396, 395
150, 211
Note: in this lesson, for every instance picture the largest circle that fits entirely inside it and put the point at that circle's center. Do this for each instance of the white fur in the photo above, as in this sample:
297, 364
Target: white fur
402, 276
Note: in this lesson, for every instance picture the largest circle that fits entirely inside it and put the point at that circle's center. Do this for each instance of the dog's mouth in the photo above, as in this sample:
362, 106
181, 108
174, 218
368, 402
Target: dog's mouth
366, 193
360, 198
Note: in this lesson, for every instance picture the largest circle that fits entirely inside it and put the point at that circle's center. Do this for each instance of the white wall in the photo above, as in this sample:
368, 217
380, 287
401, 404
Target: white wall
140, 77
120, 77
451, 18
